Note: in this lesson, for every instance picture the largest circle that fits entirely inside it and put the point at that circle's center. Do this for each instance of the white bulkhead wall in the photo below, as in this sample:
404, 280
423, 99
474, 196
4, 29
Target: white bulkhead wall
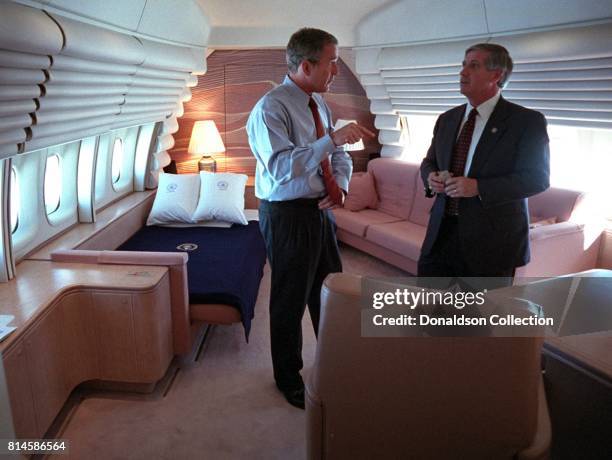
415, 21
181, 22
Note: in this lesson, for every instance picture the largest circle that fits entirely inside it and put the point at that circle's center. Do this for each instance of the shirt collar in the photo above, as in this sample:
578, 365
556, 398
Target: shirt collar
486, 108
296, 91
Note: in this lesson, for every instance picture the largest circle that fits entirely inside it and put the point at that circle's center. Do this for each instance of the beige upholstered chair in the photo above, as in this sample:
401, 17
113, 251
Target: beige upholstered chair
420, 398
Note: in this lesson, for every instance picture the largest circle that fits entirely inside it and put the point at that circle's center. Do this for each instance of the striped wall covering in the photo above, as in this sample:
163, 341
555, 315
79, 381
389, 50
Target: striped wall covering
235, 80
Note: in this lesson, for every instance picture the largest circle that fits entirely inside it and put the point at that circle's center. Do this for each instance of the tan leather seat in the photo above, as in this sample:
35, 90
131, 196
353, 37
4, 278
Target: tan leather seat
420, 398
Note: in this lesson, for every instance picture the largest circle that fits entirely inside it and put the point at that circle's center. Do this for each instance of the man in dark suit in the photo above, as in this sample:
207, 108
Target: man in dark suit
485, 159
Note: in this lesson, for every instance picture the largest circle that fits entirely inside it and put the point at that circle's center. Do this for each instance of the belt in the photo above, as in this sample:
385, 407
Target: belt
291, 204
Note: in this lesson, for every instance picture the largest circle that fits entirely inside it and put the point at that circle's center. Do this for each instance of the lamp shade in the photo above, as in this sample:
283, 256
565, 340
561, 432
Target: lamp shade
348, 147
205, 139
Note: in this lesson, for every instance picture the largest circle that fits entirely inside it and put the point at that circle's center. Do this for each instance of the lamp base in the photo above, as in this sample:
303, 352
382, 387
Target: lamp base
207, 163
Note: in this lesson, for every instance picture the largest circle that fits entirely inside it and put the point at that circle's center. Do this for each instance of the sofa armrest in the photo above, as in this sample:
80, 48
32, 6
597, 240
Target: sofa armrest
177, 270
554, 230
578, 245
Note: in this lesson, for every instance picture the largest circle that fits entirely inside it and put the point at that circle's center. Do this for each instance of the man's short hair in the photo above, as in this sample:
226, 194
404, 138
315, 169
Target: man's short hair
307, 44
498, 59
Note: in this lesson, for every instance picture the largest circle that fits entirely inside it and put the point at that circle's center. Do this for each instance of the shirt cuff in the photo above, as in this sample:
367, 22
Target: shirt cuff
322, 147
342, 182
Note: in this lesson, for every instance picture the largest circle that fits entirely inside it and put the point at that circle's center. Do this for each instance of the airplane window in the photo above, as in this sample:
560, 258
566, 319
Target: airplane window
117, 160
115, 165
15, 201
573, 152
593, 146
53, 184
417, 131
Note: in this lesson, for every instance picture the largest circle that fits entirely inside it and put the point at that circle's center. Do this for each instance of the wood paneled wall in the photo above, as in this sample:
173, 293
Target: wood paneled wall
234, 82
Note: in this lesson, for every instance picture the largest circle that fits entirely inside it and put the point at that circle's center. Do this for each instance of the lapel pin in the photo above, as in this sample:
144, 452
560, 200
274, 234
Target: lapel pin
494, 130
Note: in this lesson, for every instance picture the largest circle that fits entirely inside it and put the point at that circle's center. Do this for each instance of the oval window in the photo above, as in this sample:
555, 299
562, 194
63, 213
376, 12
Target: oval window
15, 200
117, 160
53, 184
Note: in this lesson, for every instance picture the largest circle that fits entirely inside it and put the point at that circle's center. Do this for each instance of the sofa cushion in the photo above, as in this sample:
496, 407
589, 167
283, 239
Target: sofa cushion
405, 238
395, 184
362, 193
421, 206
358, 222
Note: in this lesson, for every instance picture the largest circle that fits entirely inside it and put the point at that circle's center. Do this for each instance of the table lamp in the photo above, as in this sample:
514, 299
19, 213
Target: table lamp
206, 141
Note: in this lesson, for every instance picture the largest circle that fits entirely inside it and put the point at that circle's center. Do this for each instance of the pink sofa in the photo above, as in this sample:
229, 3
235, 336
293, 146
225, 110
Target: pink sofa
394, 231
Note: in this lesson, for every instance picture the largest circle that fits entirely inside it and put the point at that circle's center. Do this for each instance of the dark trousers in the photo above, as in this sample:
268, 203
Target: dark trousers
302, 250
447, 261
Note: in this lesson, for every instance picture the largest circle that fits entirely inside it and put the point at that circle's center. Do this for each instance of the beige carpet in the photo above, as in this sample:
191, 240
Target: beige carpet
224, 406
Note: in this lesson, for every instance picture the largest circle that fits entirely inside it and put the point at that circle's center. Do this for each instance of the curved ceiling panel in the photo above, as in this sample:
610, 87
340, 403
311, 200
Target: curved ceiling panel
505, 16
120, 13
176, 20
180, 22
409, 21
415, 21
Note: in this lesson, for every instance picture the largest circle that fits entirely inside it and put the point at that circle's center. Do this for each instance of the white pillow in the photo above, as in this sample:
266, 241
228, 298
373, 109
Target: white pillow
176, 199
221, 197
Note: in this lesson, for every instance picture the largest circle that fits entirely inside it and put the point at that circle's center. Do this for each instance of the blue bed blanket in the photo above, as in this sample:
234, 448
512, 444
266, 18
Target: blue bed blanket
225, 264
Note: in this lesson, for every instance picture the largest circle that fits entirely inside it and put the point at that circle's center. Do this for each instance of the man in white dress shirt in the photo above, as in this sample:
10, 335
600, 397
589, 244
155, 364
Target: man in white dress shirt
302, 172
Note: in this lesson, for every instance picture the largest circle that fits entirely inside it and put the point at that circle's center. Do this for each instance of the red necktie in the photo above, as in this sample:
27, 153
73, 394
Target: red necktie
460, 152
331, 186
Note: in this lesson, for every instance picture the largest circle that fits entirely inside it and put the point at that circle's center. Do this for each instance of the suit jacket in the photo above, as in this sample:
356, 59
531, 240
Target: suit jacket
511, 163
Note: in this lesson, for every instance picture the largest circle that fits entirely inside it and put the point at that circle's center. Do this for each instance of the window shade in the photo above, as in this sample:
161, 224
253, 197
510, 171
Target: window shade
23, 60
566, 74
61, 80
170, 126
7, 264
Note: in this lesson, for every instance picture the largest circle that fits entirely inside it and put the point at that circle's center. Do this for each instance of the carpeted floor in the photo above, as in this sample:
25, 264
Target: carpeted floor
223, 406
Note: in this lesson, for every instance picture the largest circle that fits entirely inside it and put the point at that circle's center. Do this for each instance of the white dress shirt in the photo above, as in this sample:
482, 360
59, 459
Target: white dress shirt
283, 138
484, 113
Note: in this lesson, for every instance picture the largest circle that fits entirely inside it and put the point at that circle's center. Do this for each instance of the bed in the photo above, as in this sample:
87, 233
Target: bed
224, 268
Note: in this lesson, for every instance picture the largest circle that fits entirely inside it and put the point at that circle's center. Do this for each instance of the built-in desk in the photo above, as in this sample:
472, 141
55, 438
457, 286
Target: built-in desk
80, 322
581, 306
577, 361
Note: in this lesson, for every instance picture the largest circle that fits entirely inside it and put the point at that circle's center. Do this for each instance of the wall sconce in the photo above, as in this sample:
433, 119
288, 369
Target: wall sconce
349, 147
206, 141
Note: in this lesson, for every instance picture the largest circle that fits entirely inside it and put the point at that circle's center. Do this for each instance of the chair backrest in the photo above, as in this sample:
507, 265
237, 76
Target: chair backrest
416, 397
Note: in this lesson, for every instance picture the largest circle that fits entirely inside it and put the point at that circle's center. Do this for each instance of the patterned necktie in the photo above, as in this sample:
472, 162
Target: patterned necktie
460, 152
331, 186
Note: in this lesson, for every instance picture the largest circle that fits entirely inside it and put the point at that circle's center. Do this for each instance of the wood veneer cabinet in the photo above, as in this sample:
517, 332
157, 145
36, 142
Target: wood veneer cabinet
86, 334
